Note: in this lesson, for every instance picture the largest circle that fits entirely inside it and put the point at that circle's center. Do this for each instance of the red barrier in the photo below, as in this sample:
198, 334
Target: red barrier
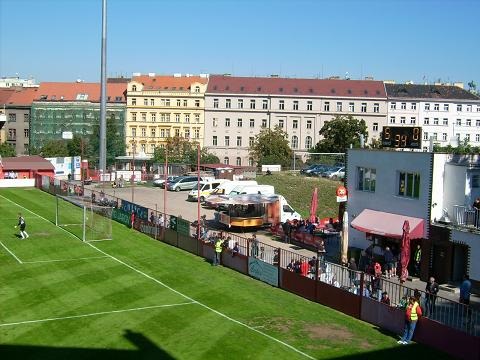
297, 284
338, 299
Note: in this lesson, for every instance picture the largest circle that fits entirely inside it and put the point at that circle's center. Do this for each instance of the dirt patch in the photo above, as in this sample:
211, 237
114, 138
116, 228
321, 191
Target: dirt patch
280, 324
316, 332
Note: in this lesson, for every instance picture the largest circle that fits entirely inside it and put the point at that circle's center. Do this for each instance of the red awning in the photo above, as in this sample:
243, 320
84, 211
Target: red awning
388, 224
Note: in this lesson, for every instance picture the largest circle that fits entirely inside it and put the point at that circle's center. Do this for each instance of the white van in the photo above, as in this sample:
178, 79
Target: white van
206, 188
225, 189
253, 189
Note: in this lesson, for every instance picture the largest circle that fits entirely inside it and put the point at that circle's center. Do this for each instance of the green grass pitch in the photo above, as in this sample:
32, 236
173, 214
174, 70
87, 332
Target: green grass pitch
136, 298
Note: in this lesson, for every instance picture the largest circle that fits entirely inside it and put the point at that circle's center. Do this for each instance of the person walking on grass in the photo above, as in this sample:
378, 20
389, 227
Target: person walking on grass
22, 224
412, 314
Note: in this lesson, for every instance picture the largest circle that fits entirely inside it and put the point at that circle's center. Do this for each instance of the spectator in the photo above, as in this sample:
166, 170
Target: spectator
132, 219
296, 267
403, 302
377, 269
385, 298
388, 258
417, 259
231, 243
218, 251
352, 265
412, 314
376, 286
363, 263
254, 243
312, 263
291, 266
465, 290
160, 221
304, 268
235, 250
431, 290
152, 217
395, 261
276, 257
476, 207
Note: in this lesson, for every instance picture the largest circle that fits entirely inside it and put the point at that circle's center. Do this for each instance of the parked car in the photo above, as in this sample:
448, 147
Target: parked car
320, 170
160, 182
335, 173
182, 183
307, 169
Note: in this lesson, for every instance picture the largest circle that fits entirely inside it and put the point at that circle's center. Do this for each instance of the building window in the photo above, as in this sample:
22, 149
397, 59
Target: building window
309, 105
152, 132
435, 121
469, 122
162, 133
403, 106
134, 101
227, 122
367, 179
409, 184
12, 118
153, 116
413, 120
477, 137
445, 107
227, 140
226, 161
25, 133
145, 102
252, 123
469, 108
177, 132
467, 137
152, 102
403, 120
295, 105
364, 107
239, 141
425, 135
215, 103
414, 106
240, 103
326, 106
375, 127
187, 133
214, 141
197, 118
197, 89
152, 148
435, 136
459, 122
477, 122
179, 102
308, 142
459, 107
196, 133
264, 123
144, 131
392, 119
251, 141
281, 105
339, 106
250, 161
134, 116
427, 107
134, 87
252, 104
478, 108
239, 161
177, 118
215, 122
351, 107
295, 124
426, 121
197, 103
265, 104
143, 147
436, 107
134, 132
185, 103
444, 136
309, 124
239, 122
187, 118
26, 117
280, 123
144, 116
294, 142
393, 105
376, 107
228, 103
445, 121
12, 134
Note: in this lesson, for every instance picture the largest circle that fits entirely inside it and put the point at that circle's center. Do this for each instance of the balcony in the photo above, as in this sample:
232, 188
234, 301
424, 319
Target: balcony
466, 217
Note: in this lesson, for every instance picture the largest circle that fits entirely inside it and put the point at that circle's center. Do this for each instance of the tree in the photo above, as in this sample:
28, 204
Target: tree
181, 150
339, 133
54, 148
115, 142
76, 144
7, 150
271, 147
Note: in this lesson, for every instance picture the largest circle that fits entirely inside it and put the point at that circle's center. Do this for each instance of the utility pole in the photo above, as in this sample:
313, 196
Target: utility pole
103, 95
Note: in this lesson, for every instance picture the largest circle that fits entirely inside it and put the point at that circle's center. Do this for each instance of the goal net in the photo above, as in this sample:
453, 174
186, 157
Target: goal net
80, 217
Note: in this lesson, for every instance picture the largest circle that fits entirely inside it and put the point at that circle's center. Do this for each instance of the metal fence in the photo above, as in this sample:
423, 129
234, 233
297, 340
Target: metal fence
466, 216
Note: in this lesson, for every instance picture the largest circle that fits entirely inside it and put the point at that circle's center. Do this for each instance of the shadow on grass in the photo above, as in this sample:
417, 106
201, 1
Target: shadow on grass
146, 349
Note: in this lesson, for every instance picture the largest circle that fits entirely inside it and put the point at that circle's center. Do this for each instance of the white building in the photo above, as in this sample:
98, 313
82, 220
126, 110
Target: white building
447, 114
238, 108
433, 191
15, 81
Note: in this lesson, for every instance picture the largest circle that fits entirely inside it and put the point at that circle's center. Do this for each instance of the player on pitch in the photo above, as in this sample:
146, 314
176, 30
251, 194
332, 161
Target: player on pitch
22, 224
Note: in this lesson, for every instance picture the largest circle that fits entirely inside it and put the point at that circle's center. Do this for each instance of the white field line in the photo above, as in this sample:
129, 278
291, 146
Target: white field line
89, 241
179, 293
16, 219
92, 314
11, 253
60, 260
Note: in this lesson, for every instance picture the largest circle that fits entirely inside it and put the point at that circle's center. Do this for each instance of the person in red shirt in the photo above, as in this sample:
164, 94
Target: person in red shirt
304, 268
132, 219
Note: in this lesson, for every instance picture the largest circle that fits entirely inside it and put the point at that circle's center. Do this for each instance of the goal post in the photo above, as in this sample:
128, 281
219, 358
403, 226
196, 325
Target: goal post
82, 218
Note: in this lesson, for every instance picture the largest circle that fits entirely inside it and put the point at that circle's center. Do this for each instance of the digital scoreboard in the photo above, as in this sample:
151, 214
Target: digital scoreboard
402, 137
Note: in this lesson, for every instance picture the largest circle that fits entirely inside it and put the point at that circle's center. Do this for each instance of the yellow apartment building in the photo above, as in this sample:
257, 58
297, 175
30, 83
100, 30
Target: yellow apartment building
159, 107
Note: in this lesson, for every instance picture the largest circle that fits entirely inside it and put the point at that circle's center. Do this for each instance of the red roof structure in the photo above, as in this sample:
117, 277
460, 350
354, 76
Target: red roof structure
80, 91
33, 162
22, 97
168, 83
220, 84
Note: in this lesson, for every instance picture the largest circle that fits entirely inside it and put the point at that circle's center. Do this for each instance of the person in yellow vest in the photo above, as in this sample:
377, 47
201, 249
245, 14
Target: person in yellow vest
412, 314
218, 251
417, 257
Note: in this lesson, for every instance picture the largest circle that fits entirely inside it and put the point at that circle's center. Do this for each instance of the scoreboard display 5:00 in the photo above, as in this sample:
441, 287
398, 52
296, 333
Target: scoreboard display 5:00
402, 137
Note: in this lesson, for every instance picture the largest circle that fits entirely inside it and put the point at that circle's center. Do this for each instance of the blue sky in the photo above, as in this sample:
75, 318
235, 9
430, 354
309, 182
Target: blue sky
59, 40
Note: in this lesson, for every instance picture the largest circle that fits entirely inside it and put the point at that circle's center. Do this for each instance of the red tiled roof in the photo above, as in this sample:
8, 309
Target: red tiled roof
5, 95
54, 91
219, 84
33, 162
168, 82
24, 96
